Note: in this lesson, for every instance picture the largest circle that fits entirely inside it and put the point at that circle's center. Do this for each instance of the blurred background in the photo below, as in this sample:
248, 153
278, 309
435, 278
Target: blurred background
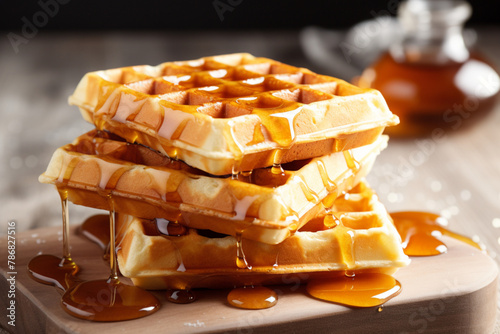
202, 15
48, 45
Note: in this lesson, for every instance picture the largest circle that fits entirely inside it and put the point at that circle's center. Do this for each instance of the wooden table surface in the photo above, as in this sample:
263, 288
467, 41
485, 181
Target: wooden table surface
457, 176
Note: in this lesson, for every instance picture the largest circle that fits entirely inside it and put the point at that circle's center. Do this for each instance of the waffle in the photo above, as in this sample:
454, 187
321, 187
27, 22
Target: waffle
102, 171
364, 240
232, 112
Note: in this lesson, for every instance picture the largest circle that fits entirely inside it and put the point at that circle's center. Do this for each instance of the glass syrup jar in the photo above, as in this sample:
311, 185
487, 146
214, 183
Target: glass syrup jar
429, 77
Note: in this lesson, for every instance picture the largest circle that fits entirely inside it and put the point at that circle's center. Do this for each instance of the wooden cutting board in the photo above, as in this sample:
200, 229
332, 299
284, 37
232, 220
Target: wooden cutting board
453, 292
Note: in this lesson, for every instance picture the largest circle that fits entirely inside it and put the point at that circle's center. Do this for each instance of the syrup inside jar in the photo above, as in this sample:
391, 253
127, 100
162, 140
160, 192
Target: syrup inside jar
430, 78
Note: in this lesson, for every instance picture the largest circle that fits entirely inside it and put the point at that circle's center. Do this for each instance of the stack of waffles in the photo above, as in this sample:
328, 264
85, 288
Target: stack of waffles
231, 170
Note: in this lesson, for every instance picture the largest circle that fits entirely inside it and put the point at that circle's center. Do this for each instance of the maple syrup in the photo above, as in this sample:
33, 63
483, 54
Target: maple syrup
427, 97
171, 228
111, 300
234, 173
99, 300
108, 299
359, 290
241, 261
327, 181
419, 232
97, 233
252, 297
353, 166
430, 79
53, 270
273, 177
181, 296
310, 194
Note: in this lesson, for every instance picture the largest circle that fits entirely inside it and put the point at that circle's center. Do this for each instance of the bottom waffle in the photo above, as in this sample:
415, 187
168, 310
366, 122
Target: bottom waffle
357, 235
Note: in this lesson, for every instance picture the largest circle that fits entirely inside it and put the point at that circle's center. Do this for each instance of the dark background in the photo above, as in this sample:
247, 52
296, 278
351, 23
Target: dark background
202, 14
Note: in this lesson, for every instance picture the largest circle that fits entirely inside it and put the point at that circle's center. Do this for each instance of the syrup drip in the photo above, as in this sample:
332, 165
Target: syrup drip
234, 173
241, 261
170, 228
345, 238
281, 124
246, 176
274, 176
252, 298
172, 153
329, 200
350, 273
311, 196
53, 270
330, 186
258, 135
270, 177
109, 299
361, 290
277, 169
100, 300
327, 181
331, 220
420, 231
181, 296
353, 166
277, 159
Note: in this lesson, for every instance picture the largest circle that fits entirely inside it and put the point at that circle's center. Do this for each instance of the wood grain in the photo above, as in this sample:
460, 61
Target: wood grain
447, 293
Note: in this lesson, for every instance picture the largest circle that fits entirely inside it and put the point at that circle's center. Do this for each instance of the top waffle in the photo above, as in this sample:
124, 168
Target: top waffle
232, 112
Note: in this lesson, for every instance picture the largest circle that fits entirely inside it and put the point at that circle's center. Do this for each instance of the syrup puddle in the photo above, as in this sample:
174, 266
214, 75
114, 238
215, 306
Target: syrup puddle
181, 296
108, 300
98, 300
53, 270
111, 300
420, 233
252, 297
360, 290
